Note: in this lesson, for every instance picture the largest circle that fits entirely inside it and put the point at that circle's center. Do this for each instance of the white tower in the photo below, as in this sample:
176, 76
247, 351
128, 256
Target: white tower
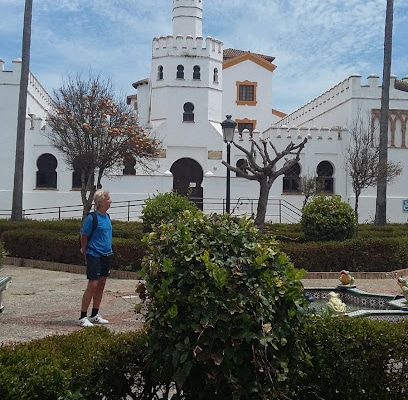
186, 77
187, 17
185, 108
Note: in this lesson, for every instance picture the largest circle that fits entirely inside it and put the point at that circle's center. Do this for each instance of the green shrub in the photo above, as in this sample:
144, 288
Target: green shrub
352, 358
327, 218
356, 358
226, 311
63, 247
88, 364
164, 207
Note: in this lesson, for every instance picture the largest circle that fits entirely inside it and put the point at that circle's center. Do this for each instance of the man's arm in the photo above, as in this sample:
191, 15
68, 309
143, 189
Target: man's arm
84, 245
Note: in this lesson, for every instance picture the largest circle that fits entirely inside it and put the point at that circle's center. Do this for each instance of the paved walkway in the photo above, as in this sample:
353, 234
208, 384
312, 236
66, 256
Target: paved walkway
40, 303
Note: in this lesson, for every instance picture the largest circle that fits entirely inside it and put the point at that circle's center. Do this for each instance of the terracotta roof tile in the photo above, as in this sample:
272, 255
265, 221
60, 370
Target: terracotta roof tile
232, 53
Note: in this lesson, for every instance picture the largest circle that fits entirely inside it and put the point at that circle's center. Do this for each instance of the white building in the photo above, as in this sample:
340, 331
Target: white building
194, 82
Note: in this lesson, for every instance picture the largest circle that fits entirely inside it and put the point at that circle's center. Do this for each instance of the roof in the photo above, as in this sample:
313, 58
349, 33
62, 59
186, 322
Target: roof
234, 57
141, 82
233, 53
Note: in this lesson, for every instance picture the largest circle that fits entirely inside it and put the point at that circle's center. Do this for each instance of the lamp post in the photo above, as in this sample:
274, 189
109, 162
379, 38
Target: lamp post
228, 129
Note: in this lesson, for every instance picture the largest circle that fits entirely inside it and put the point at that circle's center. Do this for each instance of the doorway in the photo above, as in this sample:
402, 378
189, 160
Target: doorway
187, 180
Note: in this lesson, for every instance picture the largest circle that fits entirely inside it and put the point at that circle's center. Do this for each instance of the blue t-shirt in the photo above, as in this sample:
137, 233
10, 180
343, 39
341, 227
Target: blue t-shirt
101, 239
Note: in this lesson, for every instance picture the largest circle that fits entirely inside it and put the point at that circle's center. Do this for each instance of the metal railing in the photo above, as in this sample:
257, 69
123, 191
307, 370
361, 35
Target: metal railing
278, 210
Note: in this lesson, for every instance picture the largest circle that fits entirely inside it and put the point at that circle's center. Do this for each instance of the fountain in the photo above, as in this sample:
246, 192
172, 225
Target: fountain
359, 303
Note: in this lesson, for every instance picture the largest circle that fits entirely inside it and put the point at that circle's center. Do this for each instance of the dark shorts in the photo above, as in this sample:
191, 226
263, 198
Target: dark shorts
98, 266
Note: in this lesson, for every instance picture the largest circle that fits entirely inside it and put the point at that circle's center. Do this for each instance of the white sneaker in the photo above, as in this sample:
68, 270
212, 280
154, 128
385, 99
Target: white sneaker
97, 319
84, 322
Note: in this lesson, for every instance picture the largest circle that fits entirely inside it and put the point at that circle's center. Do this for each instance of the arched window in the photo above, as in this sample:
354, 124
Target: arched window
325, 180
215, 75
188, 114
242, 164
160, 72
291, 180
196, 72
46, 174
129, 163
180, 72
76, 176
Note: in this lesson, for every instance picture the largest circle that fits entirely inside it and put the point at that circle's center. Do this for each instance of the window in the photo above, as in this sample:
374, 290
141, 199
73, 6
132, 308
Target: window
46, 174
325, 180
215, 75
76, 175
196, 72
246, 93
129, 163
188, 114
180, 72
291, 180
242, 164
160, 72
243, 124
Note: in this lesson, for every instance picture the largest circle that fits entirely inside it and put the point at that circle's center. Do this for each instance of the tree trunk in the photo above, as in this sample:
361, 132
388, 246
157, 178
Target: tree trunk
381, 201
356, 206
264, 189
17, 206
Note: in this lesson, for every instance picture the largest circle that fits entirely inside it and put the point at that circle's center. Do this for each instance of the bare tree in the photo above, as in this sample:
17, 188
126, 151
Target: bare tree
17, 206
381, 201
362, 160
265, 172
95, 133
309, 186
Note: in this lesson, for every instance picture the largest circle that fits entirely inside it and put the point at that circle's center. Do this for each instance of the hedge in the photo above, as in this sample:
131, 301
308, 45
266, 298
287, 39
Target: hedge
351, 358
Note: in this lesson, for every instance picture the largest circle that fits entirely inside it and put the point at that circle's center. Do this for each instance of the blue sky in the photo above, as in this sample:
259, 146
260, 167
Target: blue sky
316, 43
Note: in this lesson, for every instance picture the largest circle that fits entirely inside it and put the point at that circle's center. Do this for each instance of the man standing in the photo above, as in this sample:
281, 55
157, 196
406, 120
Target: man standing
96, 246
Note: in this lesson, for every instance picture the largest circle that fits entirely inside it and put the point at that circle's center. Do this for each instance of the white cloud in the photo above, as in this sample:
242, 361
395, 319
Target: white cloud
316, 43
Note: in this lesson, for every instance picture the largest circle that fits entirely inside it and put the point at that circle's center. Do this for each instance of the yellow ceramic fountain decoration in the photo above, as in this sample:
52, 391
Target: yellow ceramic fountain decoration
335, 305
345, 278
403, 284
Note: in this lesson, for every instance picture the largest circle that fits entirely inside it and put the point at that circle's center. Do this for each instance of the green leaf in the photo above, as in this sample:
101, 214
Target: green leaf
172, 311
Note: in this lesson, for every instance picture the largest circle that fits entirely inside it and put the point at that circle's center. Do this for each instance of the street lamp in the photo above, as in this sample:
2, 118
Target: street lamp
228, 129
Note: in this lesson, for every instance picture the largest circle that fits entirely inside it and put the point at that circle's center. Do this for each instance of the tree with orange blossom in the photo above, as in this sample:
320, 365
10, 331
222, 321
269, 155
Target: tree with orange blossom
96, 133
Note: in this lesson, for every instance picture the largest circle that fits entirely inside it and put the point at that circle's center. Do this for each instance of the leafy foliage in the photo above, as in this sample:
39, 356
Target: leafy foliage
351, 358
95, 132
226, 309
327, 218
356, 358
164, 207
83, 365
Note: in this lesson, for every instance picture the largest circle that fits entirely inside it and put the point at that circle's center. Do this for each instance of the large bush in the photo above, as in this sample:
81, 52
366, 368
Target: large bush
327, 218
163, 207
226, 311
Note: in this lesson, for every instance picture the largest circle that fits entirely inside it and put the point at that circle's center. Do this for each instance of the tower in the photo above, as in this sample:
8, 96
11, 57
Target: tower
186, 75
187, 17
185, 101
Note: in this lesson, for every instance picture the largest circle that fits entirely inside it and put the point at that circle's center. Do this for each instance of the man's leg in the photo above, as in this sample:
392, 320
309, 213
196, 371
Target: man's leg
89, 293
95, 318
98, 293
